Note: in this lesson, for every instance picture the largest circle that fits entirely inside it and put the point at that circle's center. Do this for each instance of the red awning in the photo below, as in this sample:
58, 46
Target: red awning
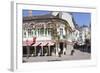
69, 42
51, 43
36, 44
44, 43
27, 43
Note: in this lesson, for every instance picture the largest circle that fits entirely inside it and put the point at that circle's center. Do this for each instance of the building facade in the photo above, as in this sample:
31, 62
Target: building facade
85, 34
48, 34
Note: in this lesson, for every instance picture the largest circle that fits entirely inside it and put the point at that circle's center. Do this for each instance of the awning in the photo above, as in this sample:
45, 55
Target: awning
36, 44
69, 42
51, 43
27, 43
44, 44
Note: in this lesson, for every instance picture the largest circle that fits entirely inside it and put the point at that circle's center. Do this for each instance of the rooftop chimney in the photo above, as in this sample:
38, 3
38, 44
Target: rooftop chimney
30, 12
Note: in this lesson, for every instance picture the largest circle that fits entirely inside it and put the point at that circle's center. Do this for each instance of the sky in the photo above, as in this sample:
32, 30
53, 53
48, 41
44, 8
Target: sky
35, 12
79, 18
82, 18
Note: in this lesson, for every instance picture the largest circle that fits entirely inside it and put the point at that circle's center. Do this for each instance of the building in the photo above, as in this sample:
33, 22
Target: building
85, 33
48, 34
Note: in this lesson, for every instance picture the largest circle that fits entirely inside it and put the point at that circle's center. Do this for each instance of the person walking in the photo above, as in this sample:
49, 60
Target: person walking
72, 52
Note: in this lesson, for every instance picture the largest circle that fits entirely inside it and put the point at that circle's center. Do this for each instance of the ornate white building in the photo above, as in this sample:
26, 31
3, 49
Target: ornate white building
49, 34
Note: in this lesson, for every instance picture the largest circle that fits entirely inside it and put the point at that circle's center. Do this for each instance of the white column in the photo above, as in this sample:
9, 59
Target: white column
26, 34
36, 32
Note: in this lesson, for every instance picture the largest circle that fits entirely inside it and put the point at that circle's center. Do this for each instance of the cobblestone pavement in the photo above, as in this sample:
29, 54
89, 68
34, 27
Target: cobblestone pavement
78, 55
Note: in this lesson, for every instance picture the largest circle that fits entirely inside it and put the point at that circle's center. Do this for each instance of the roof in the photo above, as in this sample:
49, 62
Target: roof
45, 17
26, 18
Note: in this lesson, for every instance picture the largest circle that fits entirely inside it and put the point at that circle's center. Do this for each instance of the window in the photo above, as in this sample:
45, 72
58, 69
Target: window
24, 34
29, 33
38, 30
49, 31
33, 32
61, 31
42, 31
46, 31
